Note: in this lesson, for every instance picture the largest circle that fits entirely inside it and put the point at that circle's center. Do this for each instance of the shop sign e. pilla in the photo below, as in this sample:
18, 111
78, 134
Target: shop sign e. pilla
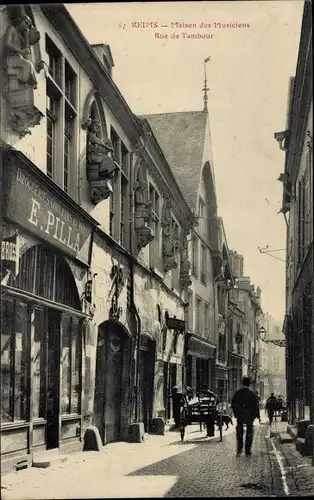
35, 208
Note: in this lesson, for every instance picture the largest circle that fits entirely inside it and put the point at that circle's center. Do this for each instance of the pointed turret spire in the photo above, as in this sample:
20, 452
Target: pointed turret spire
205, 89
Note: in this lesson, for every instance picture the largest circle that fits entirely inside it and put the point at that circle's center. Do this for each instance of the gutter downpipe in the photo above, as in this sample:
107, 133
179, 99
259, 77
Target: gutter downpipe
215, 281
132, 302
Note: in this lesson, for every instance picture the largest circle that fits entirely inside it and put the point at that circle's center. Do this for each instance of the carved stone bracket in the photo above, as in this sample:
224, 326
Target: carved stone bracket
100, 166
169, 246
100, 190
185, 265
144, 235
143, 215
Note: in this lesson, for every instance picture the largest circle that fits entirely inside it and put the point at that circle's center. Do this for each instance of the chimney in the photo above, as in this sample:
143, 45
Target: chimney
103, 52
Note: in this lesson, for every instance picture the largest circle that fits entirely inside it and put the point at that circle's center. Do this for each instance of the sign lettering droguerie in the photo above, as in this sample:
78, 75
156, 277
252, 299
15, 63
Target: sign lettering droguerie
39, 211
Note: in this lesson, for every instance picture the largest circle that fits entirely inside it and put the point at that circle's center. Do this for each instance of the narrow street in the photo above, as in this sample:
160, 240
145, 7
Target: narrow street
160, 467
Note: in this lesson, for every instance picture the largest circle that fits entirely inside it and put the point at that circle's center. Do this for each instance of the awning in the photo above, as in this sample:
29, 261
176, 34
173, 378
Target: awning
198, 345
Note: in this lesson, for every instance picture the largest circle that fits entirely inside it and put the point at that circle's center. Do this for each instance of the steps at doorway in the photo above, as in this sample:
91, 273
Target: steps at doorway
48, 458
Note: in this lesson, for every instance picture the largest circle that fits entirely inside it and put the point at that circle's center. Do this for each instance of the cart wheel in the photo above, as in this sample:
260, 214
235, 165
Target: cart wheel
182, 432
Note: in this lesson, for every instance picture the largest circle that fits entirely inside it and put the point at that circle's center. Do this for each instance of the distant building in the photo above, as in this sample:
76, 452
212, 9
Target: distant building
244, 319
186, 143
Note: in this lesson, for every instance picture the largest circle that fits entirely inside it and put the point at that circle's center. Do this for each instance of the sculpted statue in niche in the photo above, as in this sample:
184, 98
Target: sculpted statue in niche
169, 246
19, 38
143, 207
100, 165
143, 214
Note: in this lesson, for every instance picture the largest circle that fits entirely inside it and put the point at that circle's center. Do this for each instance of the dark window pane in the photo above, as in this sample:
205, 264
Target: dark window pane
45, 274
76, 365
49, 127
39, 365
49, 166
66, 364
66, 290
25, 278
7, 324
20, 369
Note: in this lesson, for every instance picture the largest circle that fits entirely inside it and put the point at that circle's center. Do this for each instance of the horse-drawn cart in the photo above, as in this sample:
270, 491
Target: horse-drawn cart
203, 410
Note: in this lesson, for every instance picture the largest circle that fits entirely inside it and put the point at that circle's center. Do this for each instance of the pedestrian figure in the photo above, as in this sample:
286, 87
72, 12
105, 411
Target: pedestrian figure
246, 409
271, 405
210, 420
258, 397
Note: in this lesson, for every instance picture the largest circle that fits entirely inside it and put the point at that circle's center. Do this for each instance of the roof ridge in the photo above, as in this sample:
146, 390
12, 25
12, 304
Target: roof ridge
172, 113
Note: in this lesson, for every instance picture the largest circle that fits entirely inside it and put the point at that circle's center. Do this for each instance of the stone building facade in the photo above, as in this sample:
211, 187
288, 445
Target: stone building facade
186, 141
297, 206
92, 244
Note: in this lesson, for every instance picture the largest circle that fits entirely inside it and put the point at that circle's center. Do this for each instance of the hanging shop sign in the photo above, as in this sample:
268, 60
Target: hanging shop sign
175, 324
36, 208
10, 254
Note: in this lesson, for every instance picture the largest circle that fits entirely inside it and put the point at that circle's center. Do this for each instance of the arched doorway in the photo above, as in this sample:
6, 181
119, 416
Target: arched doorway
112, 362
146, 380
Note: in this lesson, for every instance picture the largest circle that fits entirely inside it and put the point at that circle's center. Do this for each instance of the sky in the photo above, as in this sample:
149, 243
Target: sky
248, 77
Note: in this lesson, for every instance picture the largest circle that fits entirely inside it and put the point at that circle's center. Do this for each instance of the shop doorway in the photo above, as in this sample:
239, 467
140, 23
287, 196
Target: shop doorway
109, 381
170, 380
146, 381
53, 377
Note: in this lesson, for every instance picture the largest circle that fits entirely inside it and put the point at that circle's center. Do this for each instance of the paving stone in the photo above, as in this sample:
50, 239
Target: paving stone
162, 466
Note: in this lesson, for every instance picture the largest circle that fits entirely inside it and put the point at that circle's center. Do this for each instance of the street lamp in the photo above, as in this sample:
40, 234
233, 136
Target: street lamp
262, 333
279, 342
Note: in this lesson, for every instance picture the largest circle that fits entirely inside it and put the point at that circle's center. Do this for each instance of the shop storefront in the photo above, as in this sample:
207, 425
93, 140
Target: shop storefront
200, 363
44, 315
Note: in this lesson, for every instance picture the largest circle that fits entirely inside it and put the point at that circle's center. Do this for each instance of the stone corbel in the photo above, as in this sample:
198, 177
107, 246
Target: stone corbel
144, 235
100, 190
185, 265
142, 216
170, 260
282, 139
22, 118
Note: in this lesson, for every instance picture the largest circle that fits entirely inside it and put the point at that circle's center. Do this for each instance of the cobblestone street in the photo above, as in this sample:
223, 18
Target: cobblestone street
160, 467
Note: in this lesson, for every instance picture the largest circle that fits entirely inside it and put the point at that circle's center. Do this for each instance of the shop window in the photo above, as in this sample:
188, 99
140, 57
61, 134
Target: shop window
202, 373
39, 364
14, 356
71, 365
46, 274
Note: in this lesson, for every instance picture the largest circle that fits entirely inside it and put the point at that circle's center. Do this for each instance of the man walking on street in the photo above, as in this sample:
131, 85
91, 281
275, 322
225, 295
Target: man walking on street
271, 404
246, 409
